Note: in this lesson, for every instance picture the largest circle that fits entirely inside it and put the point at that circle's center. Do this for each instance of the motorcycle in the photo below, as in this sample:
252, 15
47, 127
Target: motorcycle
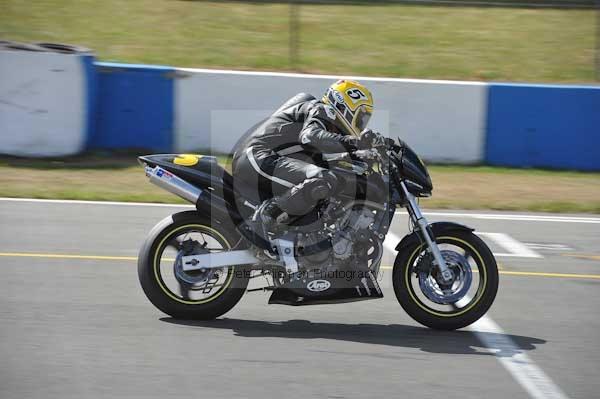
197, 264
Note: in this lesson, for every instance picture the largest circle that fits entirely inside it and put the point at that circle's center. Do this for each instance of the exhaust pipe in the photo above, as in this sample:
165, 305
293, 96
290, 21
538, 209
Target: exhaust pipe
173, 184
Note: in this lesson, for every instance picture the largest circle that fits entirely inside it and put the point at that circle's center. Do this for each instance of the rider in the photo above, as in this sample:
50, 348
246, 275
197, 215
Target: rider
278, 157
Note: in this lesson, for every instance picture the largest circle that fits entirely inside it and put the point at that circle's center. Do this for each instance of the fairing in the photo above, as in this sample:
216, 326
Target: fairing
414, 170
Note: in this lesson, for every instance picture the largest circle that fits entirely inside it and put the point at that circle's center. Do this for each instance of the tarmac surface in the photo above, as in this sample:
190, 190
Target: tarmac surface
74, 322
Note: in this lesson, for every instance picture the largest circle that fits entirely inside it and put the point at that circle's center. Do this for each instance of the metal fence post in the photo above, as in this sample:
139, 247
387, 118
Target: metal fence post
598, 40
295, 33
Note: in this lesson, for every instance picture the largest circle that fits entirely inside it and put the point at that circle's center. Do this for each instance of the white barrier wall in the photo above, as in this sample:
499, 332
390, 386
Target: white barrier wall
443, 121
43, 103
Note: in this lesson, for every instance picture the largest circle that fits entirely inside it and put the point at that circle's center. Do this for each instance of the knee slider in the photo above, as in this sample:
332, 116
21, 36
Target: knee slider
318, 188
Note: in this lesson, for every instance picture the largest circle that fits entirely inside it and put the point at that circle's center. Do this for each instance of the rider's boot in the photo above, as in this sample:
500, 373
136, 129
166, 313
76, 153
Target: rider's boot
268, 215
297, 201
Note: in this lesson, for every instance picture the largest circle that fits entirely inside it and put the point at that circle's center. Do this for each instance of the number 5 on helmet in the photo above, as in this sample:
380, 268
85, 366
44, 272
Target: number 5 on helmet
352, 102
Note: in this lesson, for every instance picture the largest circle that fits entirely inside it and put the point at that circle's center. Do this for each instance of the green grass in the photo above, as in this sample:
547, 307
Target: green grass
380, 40
484, 187
119, 178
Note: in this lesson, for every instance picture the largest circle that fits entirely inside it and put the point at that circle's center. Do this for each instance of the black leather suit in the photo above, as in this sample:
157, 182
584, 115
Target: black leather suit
279, 157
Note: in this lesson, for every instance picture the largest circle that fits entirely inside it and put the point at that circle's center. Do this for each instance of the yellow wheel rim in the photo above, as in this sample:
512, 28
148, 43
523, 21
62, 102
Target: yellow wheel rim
474, 302
156, 265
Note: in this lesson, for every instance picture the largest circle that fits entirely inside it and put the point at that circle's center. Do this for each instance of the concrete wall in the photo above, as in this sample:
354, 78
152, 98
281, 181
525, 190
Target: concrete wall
46, 103
55, 104
444, 121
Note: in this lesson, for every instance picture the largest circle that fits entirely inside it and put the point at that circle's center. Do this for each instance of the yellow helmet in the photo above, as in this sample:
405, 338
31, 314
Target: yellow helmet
352, 102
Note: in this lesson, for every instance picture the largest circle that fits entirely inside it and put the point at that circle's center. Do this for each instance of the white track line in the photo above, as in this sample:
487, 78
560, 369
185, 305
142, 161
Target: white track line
492, 216
514, 247
524, 370
529, 376
79, 202
516, 217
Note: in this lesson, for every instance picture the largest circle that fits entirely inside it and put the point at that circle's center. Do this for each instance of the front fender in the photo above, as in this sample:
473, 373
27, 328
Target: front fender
438, 229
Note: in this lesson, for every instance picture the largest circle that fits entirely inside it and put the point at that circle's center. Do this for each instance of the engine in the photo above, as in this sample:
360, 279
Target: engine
349, 237
354, 231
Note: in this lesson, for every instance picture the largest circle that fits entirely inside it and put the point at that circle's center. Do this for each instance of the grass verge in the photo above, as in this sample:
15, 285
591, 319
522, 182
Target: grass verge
512, 44
120, 178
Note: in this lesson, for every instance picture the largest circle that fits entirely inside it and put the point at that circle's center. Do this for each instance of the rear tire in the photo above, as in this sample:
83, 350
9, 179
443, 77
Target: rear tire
172, 303
419, 310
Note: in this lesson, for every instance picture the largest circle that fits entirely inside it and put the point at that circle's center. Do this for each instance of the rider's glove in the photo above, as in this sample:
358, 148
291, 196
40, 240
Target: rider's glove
365, 154
366, 139
370, 139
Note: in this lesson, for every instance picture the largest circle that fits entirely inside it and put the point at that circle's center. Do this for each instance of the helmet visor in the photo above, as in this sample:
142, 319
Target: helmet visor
363, 115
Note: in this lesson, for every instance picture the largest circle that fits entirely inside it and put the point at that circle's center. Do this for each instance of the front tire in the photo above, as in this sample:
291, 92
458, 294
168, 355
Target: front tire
192, 296
415, 290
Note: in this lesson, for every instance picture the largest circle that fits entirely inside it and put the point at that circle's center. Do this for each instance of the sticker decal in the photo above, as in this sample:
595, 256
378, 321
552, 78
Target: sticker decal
164, 174
330, 111
318, 285
356, 95
338, 97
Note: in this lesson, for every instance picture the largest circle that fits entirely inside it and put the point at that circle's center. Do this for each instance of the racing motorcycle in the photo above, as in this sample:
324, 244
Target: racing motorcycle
197, 264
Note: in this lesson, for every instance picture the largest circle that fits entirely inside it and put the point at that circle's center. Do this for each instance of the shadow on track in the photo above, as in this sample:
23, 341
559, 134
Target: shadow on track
447, 342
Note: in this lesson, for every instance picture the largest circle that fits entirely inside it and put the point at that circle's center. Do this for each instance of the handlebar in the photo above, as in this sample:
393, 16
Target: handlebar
377, 154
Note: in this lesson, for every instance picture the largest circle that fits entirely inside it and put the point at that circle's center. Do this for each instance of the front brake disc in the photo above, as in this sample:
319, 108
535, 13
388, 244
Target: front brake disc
450, 293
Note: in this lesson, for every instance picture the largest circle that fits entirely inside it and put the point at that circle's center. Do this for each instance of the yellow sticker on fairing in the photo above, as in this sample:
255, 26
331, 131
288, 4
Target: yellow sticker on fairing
186, 159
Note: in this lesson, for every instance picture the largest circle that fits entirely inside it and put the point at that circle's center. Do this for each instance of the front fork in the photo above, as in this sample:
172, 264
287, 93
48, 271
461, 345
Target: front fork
418, 219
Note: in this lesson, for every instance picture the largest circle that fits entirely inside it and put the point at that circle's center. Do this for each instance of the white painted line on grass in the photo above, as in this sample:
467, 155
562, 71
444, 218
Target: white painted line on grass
527, 374
514, 247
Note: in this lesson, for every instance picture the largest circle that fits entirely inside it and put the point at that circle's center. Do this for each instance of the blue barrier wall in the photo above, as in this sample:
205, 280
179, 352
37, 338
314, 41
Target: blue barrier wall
543, 126
134, 107
165, 109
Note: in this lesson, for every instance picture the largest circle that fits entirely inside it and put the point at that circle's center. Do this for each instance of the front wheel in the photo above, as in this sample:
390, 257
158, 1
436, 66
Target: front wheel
447, 306
200, 294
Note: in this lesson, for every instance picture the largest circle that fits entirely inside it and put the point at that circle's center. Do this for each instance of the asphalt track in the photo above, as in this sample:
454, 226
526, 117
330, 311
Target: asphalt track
74, 322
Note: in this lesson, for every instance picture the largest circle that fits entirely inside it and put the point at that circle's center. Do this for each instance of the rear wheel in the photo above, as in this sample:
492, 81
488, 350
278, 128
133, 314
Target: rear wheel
202, 294
458, 304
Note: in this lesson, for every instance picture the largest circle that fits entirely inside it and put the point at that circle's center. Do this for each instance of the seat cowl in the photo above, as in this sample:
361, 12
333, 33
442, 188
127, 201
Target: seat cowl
201, 170
196, 161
